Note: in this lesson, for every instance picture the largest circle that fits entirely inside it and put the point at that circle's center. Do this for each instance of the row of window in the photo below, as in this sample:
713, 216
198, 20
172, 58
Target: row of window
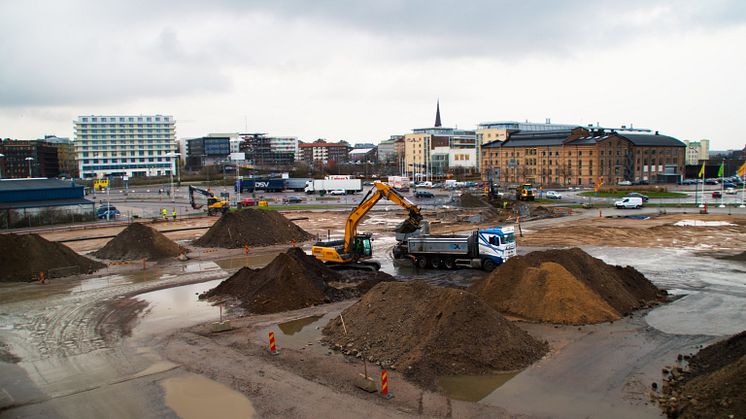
124, 167
127, 118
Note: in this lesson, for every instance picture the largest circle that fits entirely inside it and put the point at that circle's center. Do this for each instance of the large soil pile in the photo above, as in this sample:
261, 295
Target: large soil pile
714, 386
253, 227
291, 281
468, 200
22, 257
426, 331
139, 241
566, 286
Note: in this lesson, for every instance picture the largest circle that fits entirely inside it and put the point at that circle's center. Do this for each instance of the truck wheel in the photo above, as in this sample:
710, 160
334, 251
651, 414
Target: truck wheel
449, 263
421, 262
488, 265
436, 263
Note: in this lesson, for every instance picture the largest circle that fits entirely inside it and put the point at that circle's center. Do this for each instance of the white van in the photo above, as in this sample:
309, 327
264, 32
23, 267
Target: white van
629, 202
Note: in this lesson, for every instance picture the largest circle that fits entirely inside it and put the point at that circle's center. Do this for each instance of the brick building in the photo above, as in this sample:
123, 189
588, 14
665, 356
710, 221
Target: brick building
44, 159
578, 156
323, 152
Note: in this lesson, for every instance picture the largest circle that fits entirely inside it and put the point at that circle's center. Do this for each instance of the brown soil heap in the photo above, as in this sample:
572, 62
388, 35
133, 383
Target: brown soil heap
428, 331
253, 227
468, 200
566, 286
715, 384
139, 241
293, 280
22, 257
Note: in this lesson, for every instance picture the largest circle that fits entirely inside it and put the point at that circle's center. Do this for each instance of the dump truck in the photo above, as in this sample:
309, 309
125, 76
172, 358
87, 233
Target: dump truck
525, 192
485, 249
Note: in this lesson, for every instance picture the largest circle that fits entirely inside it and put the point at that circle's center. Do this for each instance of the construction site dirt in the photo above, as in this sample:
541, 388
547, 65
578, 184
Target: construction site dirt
121, 341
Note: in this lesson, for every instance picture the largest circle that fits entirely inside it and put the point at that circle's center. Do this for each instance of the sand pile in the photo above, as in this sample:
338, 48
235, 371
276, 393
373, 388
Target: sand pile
139, 241
291, 281
468, 200
426, 331
566, 286
713, 387
22, 257
252, 226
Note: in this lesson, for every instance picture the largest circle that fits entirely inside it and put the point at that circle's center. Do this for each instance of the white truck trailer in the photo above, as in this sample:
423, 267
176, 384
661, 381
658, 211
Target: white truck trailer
350, 186
484, 249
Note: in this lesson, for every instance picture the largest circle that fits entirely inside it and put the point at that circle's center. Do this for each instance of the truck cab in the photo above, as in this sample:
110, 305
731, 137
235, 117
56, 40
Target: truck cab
496, 245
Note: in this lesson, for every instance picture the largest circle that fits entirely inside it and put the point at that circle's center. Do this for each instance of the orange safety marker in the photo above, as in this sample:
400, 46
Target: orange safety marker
385, 385
272, 345
246, 249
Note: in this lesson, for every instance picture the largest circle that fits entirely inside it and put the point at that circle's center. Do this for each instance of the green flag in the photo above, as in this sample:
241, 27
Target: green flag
720, 171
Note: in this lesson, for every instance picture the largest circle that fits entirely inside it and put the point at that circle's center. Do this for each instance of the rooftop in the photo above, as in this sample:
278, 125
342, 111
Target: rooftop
26, 184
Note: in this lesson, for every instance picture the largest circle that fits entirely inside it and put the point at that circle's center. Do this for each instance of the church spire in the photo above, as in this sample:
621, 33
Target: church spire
437, 115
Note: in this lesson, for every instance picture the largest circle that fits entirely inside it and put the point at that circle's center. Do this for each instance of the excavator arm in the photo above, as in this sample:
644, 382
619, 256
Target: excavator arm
192, 190
380, 190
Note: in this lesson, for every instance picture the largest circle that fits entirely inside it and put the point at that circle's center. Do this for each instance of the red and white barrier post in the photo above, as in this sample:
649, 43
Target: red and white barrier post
272, 344
385, 385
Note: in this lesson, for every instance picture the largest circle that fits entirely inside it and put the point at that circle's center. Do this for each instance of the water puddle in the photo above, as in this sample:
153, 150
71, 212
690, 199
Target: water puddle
292, 327
301, 334
241, 261
120, 279
193, 396
174, 308
192, 267
473, 387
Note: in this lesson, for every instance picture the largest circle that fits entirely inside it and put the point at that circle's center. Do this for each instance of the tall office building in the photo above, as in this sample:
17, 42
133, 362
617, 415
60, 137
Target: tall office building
141, 145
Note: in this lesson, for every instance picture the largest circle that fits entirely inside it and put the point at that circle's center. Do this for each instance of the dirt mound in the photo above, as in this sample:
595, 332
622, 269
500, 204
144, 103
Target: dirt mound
715, 384
291, 281
426, 331
252, 226
566, 286
23, 256
139, 241
468, 200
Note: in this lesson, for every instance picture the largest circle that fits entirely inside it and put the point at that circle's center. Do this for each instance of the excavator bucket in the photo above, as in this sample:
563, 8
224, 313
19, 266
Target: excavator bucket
410, 225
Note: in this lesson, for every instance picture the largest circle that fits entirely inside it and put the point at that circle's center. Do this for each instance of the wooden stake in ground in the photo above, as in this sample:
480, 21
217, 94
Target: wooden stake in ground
364, 382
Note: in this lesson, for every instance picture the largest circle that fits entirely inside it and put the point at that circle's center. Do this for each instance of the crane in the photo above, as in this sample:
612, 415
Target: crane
349, 252
215, 205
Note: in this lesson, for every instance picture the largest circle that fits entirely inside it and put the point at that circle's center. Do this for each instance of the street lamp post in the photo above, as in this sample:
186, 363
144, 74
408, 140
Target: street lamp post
1, 166
173, 166
29, 160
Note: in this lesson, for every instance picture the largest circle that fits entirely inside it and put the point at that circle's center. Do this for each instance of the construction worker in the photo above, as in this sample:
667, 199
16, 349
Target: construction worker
164, 212
173, 214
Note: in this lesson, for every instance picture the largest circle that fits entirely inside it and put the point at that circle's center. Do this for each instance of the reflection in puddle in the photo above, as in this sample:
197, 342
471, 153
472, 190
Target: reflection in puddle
473, 387
176, 307
200, 266
241, 261
195, 396
292, 327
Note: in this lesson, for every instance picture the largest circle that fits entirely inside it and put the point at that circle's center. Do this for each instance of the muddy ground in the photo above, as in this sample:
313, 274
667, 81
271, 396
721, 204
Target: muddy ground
127, 343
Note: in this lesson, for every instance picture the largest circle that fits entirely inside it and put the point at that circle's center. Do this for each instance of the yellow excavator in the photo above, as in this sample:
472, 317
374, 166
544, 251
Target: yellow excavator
215, 205
354, 249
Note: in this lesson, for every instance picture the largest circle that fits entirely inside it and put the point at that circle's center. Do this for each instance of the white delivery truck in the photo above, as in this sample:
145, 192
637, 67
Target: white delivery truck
350, 186
629, 202
484, 249
400, 183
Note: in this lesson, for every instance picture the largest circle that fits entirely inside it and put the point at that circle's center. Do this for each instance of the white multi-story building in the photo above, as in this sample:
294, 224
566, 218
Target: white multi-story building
697, 151
124, 145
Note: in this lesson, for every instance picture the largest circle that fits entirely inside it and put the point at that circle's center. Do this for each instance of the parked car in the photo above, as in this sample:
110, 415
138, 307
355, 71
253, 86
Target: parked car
638, 195
727, 185
108, 214
717, 194
624, 183
711, 181
424, 194
338, 192
248, 202
104, 208
553, 195
730, 191
294, 200
426, 184
629, 202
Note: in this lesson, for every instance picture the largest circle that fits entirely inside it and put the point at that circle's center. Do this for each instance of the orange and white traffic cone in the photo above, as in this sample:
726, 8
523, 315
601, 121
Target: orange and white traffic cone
272, 344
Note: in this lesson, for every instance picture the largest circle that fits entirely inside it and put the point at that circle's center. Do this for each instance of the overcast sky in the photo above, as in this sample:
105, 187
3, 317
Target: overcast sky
363, 70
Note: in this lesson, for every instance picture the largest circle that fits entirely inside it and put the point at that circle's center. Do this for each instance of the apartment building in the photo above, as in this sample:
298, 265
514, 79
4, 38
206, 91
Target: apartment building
263, 150
323, 152
125, 145
697, 151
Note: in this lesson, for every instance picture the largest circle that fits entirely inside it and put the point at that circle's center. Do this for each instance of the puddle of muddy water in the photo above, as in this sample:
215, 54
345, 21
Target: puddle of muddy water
241, 261
193, 396
176, 307
292, 327
301, 334
472, 387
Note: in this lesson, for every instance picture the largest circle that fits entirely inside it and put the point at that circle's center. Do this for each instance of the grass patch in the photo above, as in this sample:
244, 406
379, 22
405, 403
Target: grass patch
620, 194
